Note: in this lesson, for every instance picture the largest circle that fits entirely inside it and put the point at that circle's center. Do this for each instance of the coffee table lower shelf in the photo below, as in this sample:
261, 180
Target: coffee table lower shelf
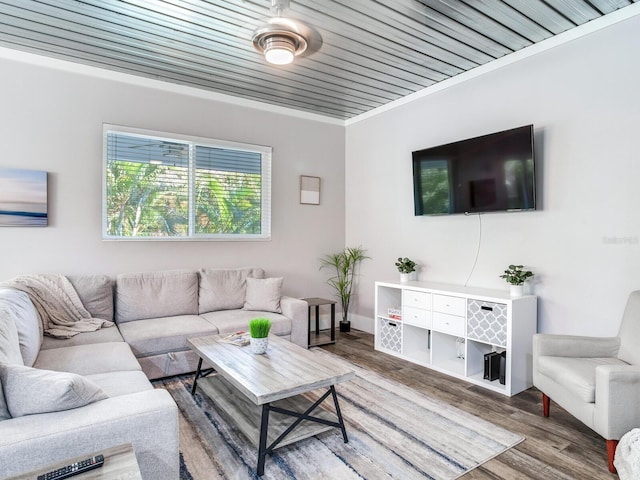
247, 416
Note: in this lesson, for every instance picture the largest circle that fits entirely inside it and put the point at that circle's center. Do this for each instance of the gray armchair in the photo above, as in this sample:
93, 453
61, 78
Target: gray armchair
597, 380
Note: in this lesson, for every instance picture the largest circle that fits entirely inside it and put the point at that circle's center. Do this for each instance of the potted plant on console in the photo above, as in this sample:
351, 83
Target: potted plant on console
515, 276
345, 264
259, 330
406, 268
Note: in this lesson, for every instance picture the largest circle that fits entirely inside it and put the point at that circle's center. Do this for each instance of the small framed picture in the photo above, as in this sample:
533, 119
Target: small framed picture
309, 190
23, 198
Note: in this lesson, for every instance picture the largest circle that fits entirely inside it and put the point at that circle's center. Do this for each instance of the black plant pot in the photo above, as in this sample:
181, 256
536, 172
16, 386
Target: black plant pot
345, 326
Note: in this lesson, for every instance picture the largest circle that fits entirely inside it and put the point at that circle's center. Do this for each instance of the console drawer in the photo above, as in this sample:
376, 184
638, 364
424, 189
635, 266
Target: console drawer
417, 317
451, 324
416, 299
450, 305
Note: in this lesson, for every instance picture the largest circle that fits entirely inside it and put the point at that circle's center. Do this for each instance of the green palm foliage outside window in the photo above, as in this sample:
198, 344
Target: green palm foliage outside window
157, 188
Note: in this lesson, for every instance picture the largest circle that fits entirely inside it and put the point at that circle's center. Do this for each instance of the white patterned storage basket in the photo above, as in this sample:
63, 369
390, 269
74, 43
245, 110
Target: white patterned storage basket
390, 335
487, 322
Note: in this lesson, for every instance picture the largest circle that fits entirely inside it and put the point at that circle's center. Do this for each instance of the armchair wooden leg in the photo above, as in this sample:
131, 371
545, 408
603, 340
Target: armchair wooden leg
545, 405
611, 453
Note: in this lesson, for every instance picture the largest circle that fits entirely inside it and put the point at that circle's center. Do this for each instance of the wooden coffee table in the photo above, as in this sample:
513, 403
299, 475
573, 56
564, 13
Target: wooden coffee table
260, 393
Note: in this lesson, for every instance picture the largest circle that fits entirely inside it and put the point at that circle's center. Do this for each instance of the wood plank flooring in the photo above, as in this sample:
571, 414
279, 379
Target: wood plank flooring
558, 448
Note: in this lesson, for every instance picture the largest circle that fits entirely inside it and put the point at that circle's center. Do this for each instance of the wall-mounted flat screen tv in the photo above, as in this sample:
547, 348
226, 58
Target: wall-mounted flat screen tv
491, 173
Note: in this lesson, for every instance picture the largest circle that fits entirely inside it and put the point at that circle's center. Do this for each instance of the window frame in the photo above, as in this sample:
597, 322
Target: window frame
193, 141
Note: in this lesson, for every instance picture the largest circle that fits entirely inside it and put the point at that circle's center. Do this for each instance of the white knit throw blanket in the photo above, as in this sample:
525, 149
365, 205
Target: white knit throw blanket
62, 313
627, 459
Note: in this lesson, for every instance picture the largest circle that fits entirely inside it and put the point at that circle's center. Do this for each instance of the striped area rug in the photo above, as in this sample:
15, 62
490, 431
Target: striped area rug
394, 433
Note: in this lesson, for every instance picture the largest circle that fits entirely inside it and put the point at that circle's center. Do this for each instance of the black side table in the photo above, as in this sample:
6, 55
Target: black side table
316, 302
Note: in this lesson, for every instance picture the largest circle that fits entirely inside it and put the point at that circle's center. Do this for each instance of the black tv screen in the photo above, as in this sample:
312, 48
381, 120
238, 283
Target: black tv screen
490, 173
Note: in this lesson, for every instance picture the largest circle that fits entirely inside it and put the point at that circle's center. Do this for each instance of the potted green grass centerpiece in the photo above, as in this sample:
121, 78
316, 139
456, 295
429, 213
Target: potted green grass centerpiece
259, 331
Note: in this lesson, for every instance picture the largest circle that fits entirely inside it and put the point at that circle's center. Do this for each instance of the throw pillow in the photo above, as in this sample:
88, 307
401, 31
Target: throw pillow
29, 390
224, 289
264, 294
96, 294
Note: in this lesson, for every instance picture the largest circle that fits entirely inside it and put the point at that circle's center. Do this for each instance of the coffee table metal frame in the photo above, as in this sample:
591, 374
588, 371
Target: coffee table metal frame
264, 447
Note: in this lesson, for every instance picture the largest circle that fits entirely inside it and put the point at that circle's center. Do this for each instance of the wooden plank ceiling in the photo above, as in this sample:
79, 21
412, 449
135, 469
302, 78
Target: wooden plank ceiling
373, 51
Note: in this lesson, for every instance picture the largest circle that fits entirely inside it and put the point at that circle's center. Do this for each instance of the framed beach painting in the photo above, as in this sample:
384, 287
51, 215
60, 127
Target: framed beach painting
23, 198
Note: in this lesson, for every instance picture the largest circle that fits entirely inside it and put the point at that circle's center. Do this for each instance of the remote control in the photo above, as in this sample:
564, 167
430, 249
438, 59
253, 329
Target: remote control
74, 468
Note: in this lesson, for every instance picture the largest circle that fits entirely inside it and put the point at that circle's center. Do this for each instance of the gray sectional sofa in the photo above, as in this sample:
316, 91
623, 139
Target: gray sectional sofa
61, 398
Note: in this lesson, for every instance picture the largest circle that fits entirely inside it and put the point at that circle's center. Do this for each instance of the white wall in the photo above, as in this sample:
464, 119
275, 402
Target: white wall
583, 243
51, 119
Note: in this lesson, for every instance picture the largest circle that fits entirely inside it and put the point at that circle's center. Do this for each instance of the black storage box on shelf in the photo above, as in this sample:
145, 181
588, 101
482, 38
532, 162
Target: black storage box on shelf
503, 367
492, 366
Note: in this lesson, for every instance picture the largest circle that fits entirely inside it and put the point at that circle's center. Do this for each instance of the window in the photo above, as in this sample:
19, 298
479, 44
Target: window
171, 187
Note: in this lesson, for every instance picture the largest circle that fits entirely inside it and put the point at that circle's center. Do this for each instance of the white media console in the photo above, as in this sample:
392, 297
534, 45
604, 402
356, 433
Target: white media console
451, 328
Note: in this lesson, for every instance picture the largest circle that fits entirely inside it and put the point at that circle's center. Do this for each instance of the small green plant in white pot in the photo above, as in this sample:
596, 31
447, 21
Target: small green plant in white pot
406, 267
515, 276
259, 329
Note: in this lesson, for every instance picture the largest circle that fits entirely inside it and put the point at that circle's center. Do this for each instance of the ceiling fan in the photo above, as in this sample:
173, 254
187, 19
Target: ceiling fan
282, 39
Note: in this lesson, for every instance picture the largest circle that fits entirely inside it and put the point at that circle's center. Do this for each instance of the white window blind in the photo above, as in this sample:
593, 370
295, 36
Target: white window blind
163, 186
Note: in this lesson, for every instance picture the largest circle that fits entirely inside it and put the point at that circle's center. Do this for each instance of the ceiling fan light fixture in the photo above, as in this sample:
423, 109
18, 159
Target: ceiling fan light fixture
279, 42
280, 49
282, 39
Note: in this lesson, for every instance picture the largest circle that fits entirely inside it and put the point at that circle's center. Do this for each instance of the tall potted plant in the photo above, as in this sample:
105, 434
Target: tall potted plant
344, 265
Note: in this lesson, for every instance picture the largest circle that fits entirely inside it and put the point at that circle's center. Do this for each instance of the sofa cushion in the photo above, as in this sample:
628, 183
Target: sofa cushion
107, 334
29, 390
115, 384
89, 359
96, 294
156, 294
224, 289
578, 375
264, 294
16, 305
166, 334
238, 320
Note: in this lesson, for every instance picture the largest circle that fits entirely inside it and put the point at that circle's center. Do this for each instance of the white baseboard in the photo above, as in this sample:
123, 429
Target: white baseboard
360, 322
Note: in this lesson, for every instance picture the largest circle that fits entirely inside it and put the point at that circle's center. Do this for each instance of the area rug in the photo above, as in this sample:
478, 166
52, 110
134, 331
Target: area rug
394, 433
